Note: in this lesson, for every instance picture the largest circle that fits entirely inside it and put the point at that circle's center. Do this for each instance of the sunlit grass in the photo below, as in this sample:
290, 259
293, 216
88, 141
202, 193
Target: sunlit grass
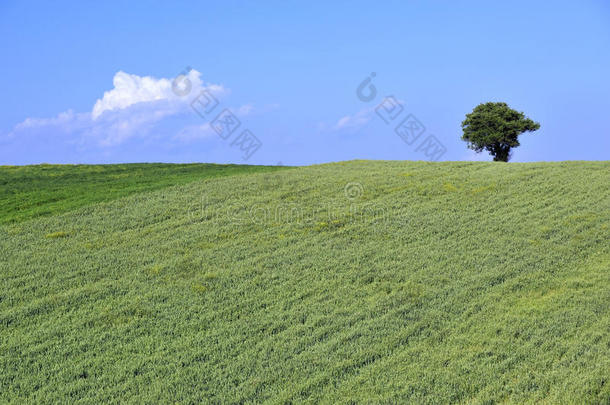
441, 283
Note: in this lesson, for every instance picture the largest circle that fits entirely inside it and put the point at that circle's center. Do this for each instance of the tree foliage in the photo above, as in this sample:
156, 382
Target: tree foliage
495, 127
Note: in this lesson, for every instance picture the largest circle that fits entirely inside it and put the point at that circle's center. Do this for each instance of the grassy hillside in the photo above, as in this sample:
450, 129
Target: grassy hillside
356, 282
32, 191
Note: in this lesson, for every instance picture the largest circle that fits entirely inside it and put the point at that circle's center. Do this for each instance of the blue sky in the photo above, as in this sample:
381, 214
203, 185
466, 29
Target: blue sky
288, 71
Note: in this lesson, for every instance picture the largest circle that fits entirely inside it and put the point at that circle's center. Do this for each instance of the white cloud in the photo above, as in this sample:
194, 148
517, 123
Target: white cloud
250, 109
65, 122
61, 118
116, 126
355, 121
133, 89
245, 109
132, 108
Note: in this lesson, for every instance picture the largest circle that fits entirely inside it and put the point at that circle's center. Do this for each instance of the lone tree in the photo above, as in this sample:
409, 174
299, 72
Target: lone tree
495, 127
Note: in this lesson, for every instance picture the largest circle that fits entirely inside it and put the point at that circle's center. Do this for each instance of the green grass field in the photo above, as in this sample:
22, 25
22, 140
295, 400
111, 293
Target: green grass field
351, 282
32, 191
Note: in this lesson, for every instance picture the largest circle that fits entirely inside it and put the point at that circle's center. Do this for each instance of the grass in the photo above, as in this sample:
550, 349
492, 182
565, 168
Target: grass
438, 283
31, 191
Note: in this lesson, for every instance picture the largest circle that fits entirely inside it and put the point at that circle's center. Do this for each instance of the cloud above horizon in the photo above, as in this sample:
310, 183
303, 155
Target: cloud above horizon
355, 121
130, 89
132, 108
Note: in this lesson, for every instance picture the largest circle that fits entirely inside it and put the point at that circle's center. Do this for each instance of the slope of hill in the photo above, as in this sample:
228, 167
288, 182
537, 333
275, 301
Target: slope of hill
358, 281
41, 190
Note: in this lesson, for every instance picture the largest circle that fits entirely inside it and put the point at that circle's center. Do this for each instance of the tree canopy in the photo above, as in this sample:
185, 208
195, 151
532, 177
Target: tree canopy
495, 127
